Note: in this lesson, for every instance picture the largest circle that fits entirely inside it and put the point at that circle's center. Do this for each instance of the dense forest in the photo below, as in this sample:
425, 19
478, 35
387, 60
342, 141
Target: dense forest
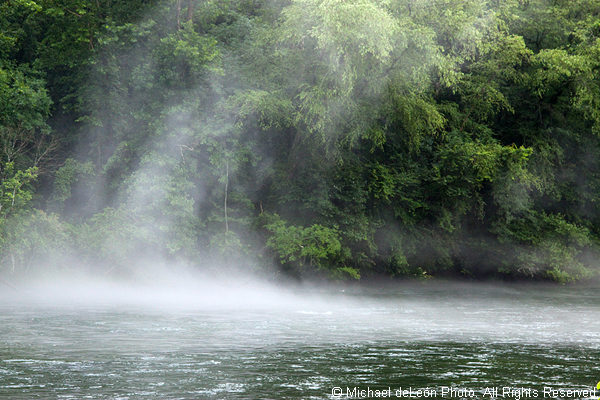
334, 139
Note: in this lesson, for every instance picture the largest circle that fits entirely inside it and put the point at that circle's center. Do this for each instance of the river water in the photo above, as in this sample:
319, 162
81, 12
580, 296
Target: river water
259, 342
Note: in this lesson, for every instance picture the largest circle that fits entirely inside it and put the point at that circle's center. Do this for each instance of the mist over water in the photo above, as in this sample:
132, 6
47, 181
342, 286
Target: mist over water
177, 336
407, 311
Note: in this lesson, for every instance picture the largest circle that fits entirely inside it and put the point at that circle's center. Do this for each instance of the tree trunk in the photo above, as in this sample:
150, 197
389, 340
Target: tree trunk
226, 189
190, 10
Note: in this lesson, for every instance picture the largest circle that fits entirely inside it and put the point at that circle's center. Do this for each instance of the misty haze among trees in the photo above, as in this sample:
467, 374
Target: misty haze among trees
334, 139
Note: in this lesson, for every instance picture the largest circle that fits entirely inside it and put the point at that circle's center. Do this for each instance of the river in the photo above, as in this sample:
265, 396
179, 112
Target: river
268, 343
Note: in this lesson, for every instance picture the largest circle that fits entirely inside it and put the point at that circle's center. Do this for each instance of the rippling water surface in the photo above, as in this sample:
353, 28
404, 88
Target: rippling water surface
264, 343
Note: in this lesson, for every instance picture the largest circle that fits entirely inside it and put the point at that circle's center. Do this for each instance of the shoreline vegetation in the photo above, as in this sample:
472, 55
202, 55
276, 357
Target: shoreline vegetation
325, 140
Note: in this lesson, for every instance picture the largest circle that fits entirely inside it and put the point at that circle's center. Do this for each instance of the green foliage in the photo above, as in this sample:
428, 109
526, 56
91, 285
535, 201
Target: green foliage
553, 247
73, 172
24, 102
33, 241
333, 138
15, 189
267, 109
315, 246
184, 56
